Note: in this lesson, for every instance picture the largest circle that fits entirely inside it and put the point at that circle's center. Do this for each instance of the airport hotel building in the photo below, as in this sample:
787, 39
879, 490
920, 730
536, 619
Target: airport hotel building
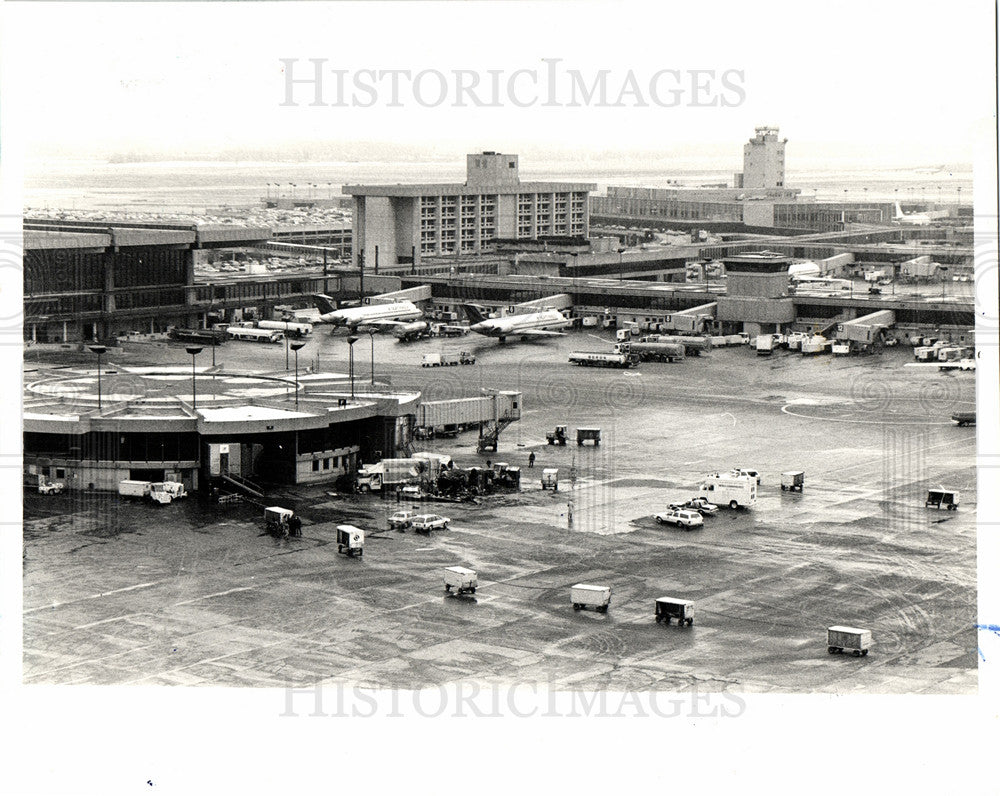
396, 224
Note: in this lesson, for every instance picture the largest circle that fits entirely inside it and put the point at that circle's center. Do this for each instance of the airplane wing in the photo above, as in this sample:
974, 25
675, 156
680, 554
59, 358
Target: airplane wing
382, 324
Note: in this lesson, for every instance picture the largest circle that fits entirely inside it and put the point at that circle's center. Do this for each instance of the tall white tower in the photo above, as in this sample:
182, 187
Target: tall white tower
764, 159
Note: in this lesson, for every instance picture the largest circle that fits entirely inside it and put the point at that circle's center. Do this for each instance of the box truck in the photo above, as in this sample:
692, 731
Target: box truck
733, 491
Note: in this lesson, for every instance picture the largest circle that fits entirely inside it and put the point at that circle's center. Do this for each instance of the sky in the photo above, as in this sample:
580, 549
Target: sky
864, 83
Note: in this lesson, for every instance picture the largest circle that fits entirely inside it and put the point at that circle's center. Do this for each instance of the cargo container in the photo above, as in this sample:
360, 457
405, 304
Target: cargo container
460, 579
588, 435
582, 595
848, 639
281, 521
668, 608
350, 540
137, 489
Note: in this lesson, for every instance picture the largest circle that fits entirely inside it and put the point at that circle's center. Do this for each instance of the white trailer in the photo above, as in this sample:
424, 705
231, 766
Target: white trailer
733, 491
848, 639
350, 540
668, 608
460, 579
582, 595
134, 489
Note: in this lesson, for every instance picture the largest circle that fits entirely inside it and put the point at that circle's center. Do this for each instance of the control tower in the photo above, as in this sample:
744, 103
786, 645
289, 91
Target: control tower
764, 160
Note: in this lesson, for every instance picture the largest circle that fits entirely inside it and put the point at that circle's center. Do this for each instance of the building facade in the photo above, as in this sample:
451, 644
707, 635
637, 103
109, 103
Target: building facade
764, 160
396, 224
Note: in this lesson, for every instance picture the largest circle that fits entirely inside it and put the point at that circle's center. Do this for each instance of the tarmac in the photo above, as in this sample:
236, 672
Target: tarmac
122, 592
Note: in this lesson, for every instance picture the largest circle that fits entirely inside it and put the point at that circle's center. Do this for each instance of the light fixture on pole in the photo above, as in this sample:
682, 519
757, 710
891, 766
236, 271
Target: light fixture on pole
350, 343
99, 350
295, 348
285, 319
193, 350
371, 334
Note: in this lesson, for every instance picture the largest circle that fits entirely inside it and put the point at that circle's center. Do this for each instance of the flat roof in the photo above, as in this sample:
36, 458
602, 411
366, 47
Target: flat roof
461, 189
227, 414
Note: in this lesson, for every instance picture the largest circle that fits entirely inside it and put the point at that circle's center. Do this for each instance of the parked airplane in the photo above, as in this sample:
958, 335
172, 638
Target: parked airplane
385, 315
920, 219
525, 325
808, 274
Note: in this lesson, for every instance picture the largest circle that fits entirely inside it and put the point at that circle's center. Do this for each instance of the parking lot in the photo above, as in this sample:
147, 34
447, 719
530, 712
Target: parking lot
190, 594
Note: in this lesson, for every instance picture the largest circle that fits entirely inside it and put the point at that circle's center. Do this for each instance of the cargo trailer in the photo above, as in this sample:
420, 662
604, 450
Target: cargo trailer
792, 481
848, 639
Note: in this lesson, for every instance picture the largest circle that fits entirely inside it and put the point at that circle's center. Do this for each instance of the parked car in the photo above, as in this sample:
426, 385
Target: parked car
401, 520
49, 488
684, 518
429, 522
699, 504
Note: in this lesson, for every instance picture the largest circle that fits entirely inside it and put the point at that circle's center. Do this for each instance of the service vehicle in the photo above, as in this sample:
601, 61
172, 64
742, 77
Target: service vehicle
290, 328
590, 434
429, 522
441, 359
733, 491
941, 498
659, 349
582, 595
698, 504
684, 518
557, 437
841, 348
401, 520
165, 492
49, 487
254, 335
350, 540
604, 359
855, 640
766, 343
743, 471
792, 480
795, 340
550, 479
667, 608
462, 580
816, 344
450, 330
964, 418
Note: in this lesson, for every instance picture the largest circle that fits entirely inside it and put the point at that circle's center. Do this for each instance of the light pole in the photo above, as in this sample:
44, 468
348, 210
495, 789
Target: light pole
99, 350
944, 279
350, 343
371, 334
193, 350
285, 319
295, 348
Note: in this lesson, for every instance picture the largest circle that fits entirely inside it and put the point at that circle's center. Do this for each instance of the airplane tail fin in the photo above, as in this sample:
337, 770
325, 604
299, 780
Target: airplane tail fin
899, 211
324, 303
475, 314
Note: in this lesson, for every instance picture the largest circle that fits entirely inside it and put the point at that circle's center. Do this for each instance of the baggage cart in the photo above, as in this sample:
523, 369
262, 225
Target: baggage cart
550, 479
583, 595
462, 580
941, 498
792, 481
350, 540
668, 608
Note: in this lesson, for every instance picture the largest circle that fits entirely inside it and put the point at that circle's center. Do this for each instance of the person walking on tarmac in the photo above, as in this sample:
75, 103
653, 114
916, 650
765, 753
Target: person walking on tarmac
531, 459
